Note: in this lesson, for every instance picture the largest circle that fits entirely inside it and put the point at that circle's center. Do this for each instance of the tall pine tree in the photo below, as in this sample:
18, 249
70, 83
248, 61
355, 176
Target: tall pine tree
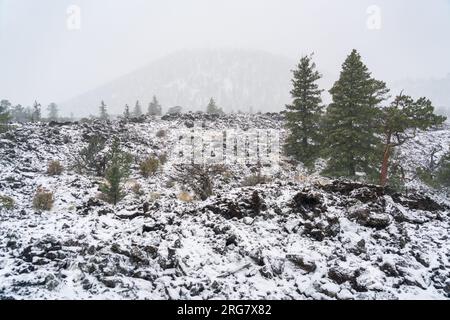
127, 113
303, 115
154, 108
5, 116
137, 112
350, 126
103, 111
36, 113
53, 111
5, 106
212, 108
20, 114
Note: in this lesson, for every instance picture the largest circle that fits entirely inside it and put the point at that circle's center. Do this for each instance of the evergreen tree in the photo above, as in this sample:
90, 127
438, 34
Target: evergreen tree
53, 111
4, 115
304, 114
212, 108
19, 114
36, 112
154, 108
399, 123
5, 106
443, 172
91, 159
103, 111
28, 114
437, 176
118, 169
351, 143
137, 112
126, 113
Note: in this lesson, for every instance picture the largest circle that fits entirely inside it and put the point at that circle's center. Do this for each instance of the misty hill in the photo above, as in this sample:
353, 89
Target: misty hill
237, 79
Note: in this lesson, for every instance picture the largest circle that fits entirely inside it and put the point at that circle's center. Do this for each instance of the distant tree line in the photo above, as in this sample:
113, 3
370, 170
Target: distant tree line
155, 109
21, 114
18, 113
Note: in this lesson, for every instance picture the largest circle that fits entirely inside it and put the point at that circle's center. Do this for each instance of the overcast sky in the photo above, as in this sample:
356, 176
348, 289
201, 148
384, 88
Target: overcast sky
40, 58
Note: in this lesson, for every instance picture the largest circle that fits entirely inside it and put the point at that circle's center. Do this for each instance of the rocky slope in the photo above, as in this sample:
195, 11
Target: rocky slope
293, 237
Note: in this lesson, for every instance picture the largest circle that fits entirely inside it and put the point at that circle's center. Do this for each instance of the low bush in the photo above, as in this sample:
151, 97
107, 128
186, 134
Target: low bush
43, 200
54, 168
6, 202
161, 133
149, 166
163, 159
185, 197
154, 196
136, 188
198, 178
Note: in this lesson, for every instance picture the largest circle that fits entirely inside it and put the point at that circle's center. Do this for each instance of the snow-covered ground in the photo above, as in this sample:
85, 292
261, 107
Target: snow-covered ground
295, 237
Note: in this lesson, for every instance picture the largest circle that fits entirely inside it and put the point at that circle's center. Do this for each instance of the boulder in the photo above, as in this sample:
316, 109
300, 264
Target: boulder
302, 262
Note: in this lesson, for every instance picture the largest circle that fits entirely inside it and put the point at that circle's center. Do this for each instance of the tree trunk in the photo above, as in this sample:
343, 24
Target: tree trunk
385, 163
305, 143
384, 166
351, 166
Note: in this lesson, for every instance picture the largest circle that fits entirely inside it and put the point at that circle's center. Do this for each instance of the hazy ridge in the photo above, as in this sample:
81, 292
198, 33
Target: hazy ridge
237, 79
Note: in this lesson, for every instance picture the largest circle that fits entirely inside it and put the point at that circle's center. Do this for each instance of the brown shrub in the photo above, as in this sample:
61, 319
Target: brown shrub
154, 196
54, 168
43, 200
137, 189
185, 197
149, 166
198, 178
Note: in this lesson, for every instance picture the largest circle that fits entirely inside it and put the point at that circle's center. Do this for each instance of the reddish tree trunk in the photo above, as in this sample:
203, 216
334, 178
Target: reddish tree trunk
385, 163
384, 166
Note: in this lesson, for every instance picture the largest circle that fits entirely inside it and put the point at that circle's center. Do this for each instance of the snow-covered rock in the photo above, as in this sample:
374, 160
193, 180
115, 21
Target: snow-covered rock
284, 239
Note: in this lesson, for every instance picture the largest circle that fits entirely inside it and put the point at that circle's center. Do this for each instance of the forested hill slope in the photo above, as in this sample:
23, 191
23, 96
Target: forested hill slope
237, 79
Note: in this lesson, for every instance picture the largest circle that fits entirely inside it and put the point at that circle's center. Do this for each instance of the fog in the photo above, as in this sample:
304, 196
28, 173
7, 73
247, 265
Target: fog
47, 55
